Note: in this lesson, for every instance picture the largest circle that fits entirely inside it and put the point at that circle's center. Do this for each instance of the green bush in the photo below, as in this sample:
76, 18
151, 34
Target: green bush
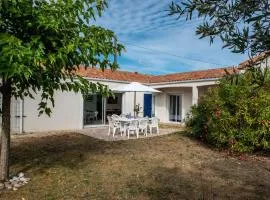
236, 113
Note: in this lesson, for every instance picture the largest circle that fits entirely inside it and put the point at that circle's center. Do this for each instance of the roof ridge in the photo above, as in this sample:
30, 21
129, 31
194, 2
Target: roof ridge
203, 70
119, 70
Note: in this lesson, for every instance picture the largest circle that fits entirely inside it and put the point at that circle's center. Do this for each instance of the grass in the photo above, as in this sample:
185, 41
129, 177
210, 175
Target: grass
74, 166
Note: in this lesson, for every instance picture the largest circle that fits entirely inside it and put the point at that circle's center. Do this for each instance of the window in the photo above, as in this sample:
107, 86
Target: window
175, 112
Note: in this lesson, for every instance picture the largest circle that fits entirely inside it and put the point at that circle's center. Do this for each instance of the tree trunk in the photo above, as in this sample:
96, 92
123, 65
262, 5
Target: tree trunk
5, 134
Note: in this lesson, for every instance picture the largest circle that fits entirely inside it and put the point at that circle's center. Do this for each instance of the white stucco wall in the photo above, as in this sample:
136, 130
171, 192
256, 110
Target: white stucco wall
162, 102
14, 115
161, 111
178, 88
66, 115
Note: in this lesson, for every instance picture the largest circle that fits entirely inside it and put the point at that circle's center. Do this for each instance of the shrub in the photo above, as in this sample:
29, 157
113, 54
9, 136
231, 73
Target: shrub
235, 114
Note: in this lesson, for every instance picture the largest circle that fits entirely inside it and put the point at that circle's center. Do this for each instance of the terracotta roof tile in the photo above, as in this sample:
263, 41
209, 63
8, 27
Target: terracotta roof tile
194, 75
118, 75
254, 60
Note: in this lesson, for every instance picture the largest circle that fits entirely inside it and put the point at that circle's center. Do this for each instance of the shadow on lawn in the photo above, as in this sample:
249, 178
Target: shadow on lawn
166, 167
174, 183
66, 150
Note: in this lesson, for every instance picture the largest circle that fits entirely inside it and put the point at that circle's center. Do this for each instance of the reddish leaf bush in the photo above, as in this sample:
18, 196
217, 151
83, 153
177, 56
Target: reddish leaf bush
236, 114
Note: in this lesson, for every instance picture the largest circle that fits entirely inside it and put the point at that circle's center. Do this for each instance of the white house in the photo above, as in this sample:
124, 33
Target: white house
179, 91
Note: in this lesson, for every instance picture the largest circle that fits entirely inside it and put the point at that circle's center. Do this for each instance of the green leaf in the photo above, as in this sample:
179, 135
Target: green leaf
42, 45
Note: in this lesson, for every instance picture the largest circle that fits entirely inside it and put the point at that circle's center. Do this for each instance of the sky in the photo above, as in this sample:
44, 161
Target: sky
157, 43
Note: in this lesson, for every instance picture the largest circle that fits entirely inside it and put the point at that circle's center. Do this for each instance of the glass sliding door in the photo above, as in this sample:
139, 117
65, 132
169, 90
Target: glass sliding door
96, 108
94, 105
175, 112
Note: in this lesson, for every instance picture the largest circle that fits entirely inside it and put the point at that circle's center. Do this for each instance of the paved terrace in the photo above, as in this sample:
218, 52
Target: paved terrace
102, 133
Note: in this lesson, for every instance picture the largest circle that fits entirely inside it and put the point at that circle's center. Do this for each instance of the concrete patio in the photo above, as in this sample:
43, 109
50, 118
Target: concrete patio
102, 133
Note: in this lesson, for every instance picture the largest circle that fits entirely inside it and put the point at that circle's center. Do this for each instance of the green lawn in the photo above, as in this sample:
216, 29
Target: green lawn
73, 166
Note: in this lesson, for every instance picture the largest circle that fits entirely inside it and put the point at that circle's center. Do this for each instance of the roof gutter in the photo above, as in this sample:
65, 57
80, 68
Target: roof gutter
149, 84
186, 81
107, 80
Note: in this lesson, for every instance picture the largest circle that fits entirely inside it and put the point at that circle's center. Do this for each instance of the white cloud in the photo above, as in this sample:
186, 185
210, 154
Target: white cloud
147, 24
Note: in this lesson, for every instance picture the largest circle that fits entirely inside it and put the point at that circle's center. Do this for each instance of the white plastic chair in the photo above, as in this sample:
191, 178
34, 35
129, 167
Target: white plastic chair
154, 125
143, 125
93, 115
113, 125
123, 127
114, 116
133, 127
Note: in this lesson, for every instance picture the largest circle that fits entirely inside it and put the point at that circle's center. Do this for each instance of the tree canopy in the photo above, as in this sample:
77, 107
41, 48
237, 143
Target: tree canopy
42, 43
243, 25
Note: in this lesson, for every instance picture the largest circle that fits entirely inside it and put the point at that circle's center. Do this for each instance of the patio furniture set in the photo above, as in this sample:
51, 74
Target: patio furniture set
127, 126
